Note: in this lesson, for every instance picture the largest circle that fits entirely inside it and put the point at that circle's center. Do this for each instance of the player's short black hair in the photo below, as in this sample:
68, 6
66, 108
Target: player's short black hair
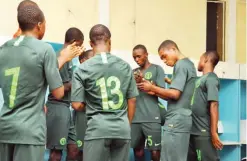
213, 57
85, 54
29, 16
168, 44
140, 46
99, 33
73, 33
26, 3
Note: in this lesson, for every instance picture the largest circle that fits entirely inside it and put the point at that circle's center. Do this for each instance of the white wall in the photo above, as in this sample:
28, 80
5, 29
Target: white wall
60, 15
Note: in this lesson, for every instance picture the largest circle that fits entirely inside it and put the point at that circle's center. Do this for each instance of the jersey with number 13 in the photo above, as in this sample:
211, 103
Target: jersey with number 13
104, 83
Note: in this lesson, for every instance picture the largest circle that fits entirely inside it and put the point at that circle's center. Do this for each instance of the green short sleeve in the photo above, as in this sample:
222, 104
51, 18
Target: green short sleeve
212, 84
132, 89
179, 77
51, 69
77, 89
160, 77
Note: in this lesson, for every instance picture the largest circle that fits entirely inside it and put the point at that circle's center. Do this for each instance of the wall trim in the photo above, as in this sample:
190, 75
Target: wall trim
231, 33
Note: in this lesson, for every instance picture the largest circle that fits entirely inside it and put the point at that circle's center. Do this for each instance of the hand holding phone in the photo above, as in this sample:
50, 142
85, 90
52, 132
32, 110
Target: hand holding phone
138, 76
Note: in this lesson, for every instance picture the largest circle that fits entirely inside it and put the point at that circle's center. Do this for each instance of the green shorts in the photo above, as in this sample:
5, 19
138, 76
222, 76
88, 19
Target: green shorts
60, 126
151, 132
202, 149
174, 146
80, 128
106, 150
21, 152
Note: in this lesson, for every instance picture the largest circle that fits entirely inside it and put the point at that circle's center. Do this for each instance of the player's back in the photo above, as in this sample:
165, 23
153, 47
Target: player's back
106, 79
23, 84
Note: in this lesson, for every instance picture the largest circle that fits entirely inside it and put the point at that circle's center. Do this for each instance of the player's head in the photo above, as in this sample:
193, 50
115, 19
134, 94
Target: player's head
26, 3
74, 34
100, 35
32, 19
140, 54
208, 59
169, 52
86, 55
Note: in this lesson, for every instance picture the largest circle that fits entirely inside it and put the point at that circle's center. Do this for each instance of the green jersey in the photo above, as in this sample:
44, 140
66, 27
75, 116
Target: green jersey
178, 115
27, 66
206, 90
147, 108
104, 83
66, 75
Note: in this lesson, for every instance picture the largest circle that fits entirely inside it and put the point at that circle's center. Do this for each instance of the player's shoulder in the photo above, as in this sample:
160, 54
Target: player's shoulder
8, 43
30, 43
185, 61
212, 76
41, 45
157, 66
186, 64
120, 61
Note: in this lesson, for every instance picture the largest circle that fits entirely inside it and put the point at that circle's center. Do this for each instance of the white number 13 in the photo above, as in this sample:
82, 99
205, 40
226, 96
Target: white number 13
103, 88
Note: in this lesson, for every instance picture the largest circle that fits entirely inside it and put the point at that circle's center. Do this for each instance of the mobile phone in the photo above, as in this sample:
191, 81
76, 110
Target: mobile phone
137, 73
138, 76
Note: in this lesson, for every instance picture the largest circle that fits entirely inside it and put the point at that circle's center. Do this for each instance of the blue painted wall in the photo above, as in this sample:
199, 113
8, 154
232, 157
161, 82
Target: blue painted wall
243, 99
229, 109
230, 153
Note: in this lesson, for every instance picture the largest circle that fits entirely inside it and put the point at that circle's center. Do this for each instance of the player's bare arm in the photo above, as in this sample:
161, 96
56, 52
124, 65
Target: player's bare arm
131, 108
166, 94
168, 80
58, 93
67, 86
78, 106
214, 124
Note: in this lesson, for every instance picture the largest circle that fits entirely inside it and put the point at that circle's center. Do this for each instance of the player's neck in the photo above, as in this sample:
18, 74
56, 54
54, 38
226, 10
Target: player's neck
30, 34
147, 65
101, 49
208, 69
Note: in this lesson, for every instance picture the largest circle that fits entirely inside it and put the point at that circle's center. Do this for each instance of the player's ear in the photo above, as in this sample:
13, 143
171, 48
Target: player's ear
109, 42
39, 25
91, 44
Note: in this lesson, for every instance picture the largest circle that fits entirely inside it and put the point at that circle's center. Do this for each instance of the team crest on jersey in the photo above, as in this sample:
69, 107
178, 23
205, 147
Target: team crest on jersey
148, 75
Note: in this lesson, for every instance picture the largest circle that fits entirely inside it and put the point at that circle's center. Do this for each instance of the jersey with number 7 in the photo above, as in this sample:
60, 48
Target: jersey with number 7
104, 83
27, 66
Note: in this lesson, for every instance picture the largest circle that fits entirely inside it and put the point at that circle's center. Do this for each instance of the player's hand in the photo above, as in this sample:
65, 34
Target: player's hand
72, 51
151, 93
138, 76
145, 86
216, 141
45, 109
168, 80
